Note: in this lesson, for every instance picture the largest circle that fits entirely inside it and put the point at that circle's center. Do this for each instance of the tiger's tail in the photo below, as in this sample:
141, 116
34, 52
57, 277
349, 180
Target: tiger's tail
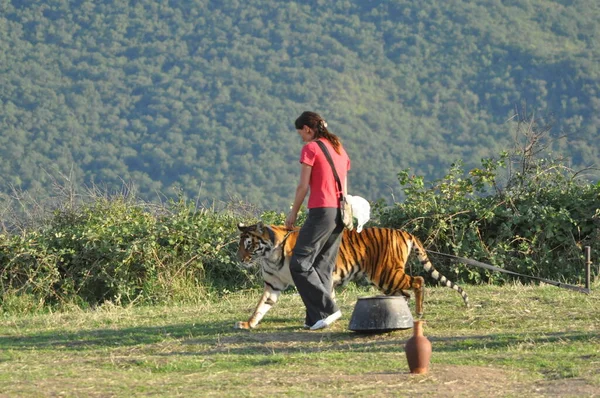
435, 274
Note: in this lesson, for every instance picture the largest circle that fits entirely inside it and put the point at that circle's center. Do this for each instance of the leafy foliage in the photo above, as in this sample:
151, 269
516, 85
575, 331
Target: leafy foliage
523, 212
200, 96
121, 251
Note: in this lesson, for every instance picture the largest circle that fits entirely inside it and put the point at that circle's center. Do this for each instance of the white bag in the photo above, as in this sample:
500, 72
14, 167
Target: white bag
361, 210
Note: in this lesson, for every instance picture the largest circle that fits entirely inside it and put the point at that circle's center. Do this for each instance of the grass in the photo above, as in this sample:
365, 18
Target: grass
514, 341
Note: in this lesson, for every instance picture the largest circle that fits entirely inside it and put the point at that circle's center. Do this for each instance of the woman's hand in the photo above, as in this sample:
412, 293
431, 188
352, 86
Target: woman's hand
290, 220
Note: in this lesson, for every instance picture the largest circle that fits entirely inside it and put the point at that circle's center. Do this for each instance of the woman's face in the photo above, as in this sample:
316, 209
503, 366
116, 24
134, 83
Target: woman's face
306, 133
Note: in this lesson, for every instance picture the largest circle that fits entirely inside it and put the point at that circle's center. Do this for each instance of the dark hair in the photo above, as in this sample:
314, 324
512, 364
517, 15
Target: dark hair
316, 122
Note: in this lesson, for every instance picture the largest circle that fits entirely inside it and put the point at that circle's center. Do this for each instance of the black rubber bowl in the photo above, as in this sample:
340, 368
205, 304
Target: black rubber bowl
379, 314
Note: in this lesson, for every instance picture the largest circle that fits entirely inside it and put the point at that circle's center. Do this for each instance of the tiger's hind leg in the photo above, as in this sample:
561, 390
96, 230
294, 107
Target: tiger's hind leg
417, 285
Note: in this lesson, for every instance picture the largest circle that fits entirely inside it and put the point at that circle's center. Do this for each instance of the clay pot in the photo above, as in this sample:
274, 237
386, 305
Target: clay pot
418, 350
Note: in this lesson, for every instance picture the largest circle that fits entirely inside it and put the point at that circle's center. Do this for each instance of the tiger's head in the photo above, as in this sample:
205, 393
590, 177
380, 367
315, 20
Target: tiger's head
264, 242
255, 241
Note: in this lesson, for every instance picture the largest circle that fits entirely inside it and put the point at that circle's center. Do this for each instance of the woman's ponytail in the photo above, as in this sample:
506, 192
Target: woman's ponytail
316, 122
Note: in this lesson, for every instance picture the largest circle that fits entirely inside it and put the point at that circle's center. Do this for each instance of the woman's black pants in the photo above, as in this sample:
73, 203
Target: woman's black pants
313, 261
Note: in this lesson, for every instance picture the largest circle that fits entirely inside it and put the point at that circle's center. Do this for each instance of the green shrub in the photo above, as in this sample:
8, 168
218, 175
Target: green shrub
521, 212
123, 251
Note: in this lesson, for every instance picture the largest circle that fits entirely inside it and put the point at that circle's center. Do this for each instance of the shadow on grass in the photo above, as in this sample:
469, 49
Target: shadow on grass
112, 337
288, 342
214, 338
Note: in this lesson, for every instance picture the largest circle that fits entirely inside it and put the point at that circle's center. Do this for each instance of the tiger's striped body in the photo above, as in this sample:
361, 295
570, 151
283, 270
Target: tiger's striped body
379, 254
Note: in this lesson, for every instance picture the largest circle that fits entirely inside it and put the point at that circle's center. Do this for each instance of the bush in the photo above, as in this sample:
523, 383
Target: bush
522, 212
123, 251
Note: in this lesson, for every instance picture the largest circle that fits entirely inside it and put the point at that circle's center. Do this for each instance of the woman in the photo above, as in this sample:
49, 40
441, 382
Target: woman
316, 249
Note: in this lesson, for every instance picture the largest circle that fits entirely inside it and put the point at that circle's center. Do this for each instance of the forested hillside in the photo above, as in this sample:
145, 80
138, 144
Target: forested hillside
202, 94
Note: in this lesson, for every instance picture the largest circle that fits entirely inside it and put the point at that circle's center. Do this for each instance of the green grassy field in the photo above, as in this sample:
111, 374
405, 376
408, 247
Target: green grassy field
514, 341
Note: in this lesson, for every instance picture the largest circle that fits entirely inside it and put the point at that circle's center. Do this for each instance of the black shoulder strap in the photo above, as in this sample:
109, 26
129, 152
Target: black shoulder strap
335, 174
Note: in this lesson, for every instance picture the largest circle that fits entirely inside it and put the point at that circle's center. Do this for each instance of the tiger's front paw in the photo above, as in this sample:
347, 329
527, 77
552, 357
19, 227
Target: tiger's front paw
242, 325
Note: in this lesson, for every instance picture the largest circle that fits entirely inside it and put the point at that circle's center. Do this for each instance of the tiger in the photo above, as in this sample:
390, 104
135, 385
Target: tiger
379, 254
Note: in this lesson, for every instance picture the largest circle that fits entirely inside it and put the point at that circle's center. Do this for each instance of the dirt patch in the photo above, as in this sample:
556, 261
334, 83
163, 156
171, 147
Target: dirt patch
441, 381
566, 388
447, 381
465, 381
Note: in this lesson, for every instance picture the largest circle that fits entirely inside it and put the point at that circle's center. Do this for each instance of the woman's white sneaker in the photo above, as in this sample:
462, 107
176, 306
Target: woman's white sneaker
323, 323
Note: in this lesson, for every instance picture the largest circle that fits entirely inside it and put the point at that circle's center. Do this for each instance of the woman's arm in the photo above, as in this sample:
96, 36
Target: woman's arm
301, 191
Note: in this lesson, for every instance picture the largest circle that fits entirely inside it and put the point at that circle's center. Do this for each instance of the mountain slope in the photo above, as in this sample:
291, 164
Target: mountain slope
203, 95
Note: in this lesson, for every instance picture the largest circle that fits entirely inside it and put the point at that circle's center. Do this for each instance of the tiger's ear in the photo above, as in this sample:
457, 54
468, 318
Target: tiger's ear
254, 228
